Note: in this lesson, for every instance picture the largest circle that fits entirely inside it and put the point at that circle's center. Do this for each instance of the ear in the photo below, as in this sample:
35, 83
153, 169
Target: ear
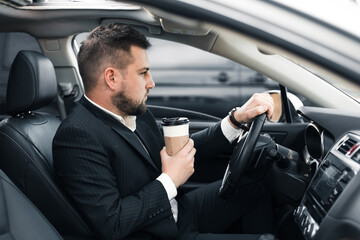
111, 79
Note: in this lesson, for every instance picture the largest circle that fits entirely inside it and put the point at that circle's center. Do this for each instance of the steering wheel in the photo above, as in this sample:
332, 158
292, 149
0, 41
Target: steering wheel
240, 159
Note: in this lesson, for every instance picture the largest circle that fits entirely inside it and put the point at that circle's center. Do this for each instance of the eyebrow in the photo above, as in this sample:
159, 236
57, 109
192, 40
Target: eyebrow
144, 68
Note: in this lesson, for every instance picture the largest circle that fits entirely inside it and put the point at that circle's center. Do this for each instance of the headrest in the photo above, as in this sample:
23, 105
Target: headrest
32, 83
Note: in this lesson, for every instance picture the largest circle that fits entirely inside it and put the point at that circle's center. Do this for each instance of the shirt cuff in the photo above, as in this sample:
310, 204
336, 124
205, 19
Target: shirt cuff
168, 185
229, 131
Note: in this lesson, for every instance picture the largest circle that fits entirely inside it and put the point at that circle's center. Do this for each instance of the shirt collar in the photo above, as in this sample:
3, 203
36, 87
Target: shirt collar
128, 121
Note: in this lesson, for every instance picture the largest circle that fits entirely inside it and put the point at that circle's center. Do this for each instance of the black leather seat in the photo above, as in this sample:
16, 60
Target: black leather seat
19, 219
26, 141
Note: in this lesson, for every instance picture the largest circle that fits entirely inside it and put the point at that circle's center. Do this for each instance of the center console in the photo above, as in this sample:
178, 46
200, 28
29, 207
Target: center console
334, 173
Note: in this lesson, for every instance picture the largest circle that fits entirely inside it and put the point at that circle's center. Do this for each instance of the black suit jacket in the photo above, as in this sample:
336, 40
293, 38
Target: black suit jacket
111, 177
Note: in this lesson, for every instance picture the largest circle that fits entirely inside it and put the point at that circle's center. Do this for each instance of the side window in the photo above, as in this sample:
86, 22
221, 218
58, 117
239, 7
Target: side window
10, 44
197, 80
193, 79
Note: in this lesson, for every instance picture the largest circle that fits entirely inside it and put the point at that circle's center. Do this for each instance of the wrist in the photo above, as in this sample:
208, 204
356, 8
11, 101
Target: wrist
168, 184
235, 122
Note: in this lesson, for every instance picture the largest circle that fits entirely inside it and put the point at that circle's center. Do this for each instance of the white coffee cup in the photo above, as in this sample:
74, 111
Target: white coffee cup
176, 134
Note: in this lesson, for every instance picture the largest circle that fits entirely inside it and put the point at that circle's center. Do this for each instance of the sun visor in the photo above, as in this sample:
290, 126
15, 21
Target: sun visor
179, 28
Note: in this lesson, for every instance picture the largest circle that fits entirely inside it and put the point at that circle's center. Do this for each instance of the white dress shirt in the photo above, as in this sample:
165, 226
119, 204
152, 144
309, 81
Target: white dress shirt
130, 122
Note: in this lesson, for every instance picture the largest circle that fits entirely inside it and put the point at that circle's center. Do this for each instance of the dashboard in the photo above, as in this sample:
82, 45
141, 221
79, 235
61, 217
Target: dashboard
330, 207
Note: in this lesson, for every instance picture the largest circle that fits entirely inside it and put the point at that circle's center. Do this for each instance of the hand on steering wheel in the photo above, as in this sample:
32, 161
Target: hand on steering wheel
240, 158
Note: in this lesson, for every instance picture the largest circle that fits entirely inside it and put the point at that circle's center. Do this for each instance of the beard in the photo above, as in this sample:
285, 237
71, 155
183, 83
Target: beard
127, 105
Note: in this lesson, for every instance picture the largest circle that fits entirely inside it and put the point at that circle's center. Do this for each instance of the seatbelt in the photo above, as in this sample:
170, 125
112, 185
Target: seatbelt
67, 93
61, 106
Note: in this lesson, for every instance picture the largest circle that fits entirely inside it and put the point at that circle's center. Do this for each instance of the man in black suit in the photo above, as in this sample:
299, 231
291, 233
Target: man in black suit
109, 153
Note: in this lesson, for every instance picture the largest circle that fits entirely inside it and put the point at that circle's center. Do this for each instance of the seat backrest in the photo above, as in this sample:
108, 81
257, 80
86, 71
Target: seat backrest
19, 218
26, 141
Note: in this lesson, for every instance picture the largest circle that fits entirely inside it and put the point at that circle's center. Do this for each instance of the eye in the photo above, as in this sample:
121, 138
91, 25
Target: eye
145, 71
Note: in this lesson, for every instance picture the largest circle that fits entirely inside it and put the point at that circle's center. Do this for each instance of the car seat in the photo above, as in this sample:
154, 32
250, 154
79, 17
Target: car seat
19, 218
26, 141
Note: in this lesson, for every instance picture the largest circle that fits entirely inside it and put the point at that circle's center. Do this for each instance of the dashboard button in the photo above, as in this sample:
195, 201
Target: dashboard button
346, 176
297, 212
309, 230
314, 230
335, 192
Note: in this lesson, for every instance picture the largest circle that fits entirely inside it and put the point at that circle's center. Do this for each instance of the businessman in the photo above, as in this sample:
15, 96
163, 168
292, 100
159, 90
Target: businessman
109, 154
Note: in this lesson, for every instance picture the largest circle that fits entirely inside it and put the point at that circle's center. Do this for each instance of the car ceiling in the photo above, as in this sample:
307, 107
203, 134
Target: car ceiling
154, 23
60, 23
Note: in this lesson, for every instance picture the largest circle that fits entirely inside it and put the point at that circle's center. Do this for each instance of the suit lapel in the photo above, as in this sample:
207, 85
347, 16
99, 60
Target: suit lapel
150, 142
134, 141
129, 136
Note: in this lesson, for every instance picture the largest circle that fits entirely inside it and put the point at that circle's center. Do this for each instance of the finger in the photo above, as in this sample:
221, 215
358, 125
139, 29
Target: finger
192, 152
189, 145
257, 104
270, 106
265, 98
253, 112
163, 152
268, 101
260, 99
270, 111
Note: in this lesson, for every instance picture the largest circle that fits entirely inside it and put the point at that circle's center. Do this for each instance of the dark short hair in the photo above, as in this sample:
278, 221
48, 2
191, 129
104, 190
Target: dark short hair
107, 45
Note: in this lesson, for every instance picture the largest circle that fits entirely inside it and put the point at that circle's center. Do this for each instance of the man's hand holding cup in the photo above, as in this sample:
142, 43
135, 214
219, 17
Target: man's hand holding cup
177, 157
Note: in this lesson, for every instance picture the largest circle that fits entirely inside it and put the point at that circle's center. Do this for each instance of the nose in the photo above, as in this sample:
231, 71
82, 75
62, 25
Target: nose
150, 84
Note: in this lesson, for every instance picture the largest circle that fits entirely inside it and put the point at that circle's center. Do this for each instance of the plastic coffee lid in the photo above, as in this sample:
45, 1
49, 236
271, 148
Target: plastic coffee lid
174, 121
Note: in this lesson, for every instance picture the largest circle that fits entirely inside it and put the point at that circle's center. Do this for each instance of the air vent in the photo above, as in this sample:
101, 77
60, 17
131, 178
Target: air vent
346, 146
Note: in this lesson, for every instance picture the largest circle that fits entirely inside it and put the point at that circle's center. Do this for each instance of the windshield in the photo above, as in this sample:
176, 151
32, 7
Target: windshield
350, 88
341, 14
